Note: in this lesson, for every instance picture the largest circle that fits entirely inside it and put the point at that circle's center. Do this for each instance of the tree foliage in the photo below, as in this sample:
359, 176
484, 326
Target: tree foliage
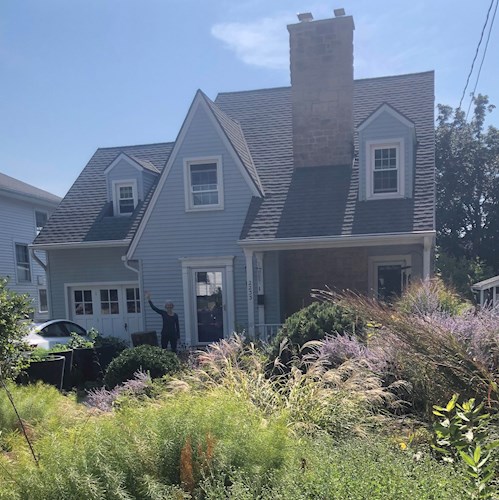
14, 308
467, 162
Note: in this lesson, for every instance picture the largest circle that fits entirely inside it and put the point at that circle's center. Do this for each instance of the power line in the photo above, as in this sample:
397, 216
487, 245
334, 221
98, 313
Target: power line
483, 58
476, 52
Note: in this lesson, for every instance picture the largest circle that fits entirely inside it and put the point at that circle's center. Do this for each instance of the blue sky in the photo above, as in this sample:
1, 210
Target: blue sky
80, 74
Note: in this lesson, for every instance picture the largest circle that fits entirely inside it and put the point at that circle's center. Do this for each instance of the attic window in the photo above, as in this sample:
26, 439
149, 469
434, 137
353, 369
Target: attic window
385, 169
203, 184
41, 220
125, 197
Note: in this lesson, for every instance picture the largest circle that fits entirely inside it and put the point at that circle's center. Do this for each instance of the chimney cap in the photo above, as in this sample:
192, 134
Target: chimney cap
339, 12
305, 17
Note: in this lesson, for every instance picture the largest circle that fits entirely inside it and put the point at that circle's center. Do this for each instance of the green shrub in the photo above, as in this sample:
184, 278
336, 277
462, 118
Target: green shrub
154, 360
14, 311
315, 321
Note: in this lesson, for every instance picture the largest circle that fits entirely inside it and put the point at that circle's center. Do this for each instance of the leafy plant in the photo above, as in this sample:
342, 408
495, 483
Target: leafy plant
79, 342
462, 434
316, 321
156, 361
14, 311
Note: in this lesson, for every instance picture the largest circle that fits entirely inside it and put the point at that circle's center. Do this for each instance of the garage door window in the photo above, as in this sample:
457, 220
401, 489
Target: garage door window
132, 300
83, 302
109, 303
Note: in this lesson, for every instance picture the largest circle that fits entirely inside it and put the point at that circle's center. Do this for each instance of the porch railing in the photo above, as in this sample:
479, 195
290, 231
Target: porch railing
266, 331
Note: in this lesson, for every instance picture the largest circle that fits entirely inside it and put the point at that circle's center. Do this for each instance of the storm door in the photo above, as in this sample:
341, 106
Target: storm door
209, 304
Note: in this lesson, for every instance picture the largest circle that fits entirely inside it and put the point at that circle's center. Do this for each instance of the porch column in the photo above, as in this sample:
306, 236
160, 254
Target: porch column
427, 244
260, 286
250, 292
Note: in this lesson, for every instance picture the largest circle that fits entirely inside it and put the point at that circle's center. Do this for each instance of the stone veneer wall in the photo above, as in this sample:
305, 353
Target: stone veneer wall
303, 270
322, 91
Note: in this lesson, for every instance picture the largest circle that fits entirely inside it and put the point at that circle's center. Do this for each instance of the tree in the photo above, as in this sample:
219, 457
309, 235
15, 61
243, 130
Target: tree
467, 163
14, 310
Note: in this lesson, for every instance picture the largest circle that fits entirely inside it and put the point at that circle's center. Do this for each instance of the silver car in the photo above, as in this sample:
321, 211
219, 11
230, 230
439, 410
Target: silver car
55, 331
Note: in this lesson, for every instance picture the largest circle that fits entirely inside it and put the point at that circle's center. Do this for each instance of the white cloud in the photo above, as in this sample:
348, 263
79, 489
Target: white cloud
260, 43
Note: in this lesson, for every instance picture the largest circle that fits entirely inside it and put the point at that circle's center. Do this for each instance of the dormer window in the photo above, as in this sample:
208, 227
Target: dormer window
125, 197
385, 169
203, 184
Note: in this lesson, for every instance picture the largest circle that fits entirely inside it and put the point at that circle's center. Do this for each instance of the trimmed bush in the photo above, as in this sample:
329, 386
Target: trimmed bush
316, 321
154, 360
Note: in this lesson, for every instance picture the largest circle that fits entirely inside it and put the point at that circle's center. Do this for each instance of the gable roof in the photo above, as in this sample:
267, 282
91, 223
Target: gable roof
137, 163
323, 201
297, 203
17, 188
83, 214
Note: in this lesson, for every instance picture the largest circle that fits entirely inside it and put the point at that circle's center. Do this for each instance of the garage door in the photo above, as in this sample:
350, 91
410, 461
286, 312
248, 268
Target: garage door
110, 309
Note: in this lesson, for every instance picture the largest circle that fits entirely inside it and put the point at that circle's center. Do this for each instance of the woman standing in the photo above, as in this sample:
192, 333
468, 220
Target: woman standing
170, 332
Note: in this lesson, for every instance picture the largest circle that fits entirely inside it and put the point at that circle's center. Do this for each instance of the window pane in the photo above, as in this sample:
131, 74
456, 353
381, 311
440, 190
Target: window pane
41, 220
42, 300
204, 184
22, 263
126, 202
104, 295
87, 295
385, 181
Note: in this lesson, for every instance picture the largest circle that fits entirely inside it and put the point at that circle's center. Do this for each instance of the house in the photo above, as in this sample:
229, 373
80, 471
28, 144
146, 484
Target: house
486, 292
24, 210
264, 195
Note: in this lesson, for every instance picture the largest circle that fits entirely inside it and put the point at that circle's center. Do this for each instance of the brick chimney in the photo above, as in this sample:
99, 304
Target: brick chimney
322, 90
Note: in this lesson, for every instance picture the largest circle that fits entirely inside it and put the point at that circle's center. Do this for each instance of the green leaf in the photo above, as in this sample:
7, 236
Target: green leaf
469, 460
452, 403
477, 453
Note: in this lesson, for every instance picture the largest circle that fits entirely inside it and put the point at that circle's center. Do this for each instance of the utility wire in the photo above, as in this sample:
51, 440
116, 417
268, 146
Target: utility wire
483, 58
476, 52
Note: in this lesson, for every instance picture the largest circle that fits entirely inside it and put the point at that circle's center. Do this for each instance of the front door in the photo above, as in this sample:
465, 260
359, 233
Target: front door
209, 304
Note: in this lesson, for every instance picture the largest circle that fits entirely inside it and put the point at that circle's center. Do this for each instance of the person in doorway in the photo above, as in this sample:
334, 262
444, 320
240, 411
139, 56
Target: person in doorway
170, 332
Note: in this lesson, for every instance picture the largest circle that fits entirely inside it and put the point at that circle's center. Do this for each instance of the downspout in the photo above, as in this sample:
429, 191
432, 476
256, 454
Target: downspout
127, 265
40, 262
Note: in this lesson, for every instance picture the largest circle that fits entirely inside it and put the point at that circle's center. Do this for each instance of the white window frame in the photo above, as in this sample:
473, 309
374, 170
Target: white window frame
189, 202
371, 147
116, 199
375, 262
30, 269
40, 310
36, 225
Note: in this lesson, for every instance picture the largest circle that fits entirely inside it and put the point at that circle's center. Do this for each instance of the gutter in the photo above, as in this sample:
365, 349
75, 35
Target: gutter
82, 244
338, 241
126, 263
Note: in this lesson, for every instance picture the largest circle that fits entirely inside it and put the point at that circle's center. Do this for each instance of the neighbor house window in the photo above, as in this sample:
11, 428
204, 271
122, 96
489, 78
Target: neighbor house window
385, 170
43, 305
204, 186
22, 263
41, 220
125, 198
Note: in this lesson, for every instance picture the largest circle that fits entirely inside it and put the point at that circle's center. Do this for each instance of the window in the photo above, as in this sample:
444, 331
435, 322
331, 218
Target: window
132, 300
43, 305
389, 276
22, 263
83, 302
125, 197
204, 186
41, 220
109, 303
385, 170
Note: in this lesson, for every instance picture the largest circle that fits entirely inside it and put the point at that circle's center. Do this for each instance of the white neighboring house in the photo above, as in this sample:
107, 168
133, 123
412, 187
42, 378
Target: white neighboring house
24, 210
486, 292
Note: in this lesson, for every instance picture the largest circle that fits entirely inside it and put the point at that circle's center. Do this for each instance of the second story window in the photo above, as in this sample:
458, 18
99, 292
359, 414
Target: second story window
385, 174
204, 186
41, 220
125, 198
22, 263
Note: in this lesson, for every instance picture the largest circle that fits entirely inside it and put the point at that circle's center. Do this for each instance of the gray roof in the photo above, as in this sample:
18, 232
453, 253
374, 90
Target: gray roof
234, 133
305, 202
84, 213
12, 186
323, 201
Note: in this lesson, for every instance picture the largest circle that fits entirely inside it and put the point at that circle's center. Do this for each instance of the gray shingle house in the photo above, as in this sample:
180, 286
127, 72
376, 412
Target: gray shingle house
24, 210
264, 195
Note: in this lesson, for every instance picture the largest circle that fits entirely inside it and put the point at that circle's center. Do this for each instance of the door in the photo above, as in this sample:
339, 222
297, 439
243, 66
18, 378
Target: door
209, 304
